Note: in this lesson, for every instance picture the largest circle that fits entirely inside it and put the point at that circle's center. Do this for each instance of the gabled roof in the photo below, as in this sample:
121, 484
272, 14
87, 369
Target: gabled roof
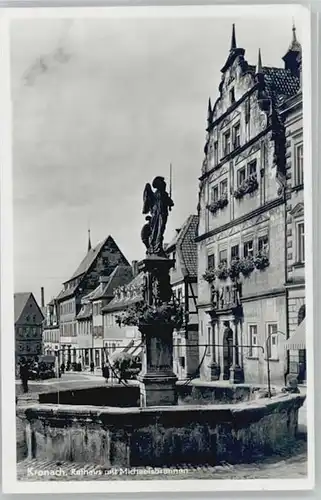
185, 246
88, 260
121, 275
85, 312
85, 265
20, 301
280, 83
118, 304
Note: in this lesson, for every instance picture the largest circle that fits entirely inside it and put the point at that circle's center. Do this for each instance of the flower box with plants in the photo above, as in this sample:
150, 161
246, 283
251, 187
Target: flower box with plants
247, 186
261, 261
214, 206
234, 269
142, 314
247, 266
209, 275
222, 271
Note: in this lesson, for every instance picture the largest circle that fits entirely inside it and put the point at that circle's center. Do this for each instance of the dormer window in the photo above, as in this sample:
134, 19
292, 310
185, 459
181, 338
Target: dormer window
232, 95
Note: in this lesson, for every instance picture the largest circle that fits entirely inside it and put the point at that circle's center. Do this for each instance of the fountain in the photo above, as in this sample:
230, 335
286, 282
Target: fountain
158, 431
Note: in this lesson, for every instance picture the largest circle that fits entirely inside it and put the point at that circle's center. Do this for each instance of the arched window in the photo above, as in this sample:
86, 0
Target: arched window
301, 314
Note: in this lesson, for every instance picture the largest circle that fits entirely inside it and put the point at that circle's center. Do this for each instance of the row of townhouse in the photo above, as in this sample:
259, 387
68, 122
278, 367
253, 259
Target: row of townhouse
250, 238
93, 318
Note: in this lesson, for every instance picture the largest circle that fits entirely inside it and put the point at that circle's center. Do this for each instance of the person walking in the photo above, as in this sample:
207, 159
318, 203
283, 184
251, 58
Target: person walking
24, 375
106, 373
92, 367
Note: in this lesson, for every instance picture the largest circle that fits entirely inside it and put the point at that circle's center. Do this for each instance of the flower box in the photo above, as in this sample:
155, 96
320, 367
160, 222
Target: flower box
209, 275
234, 269
247, 186
247, 266
261, 261
217, 205
221, 272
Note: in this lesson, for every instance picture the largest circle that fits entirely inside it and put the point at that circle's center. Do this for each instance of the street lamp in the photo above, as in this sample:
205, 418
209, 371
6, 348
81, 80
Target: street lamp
268, 359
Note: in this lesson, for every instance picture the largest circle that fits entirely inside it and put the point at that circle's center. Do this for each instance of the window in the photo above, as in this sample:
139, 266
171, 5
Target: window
253, 341
215, 152
241, 176
226, 143
237, 136
300, 242
210, 261
214, 194
179, 295
248, 249
299, 176
251, 169
272, 341
232, 95
223, 188
223, 257
263, 244
235, 252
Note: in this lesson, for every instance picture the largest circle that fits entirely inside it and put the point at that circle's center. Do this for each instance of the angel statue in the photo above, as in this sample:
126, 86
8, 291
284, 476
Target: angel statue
157, 203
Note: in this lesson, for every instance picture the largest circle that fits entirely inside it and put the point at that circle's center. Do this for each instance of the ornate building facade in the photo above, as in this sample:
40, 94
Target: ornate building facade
242, 258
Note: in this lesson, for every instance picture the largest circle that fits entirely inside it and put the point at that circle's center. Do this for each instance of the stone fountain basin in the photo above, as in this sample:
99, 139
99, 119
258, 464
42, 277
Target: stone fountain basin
161, 436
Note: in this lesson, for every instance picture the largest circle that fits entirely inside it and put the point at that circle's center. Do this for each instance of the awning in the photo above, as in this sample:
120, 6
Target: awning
297, 340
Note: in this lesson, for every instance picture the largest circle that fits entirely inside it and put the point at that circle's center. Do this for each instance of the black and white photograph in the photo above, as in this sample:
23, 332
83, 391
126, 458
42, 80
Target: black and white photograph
160, 312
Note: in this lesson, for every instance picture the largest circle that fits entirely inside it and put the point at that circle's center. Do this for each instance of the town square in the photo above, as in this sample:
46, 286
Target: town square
160, 301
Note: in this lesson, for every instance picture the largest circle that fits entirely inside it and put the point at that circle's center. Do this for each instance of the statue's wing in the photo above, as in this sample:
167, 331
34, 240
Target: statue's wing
148, 199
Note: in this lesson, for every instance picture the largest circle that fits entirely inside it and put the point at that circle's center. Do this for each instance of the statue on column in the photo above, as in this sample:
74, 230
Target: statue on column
158, 203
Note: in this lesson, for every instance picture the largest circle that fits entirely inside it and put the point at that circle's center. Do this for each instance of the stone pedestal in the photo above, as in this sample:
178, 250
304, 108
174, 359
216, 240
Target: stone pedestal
157, 379
236, 374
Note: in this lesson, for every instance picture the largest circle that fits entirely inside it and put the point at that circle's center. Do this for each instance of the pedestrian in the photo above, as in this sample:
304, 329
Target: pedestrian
106, 373
24, 375
92, 367
62, 368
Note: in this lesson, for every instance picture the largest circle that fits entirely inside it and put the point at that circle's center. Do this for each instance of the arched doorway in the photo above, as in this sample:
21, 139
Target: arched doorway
227, 352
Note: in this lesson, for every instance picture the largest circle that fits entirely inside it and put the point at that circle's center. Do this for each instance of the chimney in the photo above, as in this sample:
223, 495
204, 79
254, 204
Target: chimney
42, 297
135, 267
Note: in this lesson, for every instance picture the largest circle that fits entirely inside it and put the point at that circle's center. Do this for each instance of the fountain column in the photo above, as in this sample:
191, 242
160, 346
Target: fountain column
236, 372
157, 378
214, 367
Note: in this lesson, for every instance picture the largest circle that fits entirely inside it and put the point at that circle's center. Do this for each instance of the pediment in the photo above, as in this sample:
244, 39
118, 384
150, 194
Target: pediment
298, 210
225, 123
261, 219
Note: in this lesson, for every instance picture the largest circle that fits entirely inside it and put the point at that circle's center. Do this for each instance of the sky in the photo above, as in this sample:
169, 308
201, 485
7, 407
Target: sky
101, 106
